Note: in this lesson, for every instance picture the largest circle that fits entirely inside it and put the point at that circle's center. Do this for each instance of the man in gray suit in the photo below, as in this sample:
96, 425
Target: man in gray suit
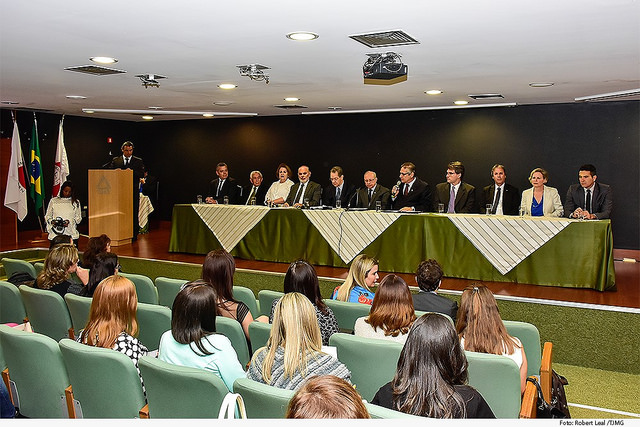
429, 277
373, 192
589, 199
305, 189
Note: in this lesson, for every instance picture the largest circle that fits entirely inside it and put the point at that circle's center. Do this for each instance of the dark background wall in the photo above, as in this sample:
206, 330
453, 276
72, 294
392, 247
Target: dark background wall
183, 154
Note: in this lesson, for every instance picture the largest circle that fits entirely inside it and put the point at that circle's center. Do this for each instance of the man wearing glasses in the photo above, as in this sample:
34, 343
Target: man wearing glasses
410, 193
339, 189
372, 193
304, 190
456, 196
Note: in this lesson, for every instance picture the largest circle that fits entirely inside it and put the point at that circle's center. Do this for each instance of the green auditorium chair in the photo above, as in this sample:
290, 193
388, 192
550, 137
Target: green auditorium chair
347, 312
37, 372
266, 298
153, 321
377, 412
11, 306
39, 266
262, 400
79, 308
529, 336
180, 392
104, 382
168, 289
146, 290
14, 265
47, 312
259, 334
247, 296
232, 329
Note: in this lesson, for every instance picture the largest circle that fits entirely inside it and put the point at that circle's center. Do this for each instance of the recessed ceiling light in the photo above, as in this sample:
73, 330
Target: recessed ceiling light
227, 86
147, 117
155, 108
433, 92
103, 59
87, 111
335, 108
540, 84
302, 36
9, 103
222, 103
292, 99
207, 115
75, 97
461, 102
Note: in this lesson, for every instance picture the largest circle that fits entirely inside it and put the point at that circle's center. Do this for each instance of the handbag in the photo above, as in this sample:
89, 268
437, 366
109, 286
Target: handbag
228, 408
558, 407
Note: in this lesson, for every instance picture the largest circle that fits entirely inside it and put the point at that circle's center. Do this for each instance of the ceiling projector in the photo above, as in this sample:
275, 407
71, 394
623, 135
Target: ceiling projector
384, 69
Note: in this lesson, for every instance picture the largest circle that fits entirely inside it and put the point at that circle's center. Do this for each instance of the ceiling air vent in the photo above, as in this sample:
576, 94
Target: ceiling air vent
487, 96
96, 70
290, 106
385, 39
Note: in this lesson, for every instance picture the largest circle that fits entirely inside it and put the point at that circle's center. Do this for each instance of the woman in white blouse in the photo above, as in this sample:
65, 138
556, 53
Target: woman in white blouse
279, 190
541, 200
64, 213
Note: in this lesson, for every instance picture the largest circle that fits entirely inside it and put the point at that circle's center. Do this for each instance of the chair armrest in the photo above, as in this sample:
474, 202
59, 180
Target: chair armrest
546, 370
7, 382
528, 409
68, 395
144, 412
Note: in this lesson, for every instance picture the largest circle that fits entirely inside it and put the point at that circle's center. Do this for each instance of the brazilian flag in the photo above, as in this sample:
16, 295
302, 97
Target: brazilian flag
35, 171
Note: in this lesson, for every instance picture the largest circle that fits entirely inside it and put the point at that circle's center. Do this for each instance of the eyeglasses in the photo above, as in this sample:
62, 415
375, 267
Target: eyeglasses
405, 173
451, 173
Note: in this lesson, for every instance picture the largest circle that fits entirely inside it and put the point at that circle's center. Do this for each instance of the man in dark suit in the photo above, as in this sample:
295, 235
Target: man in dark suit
223, 186
255, 190
305, 189
338, 190
429, 277
589, 199
464, 200
129, 161
504, 198
410, 193
373, 192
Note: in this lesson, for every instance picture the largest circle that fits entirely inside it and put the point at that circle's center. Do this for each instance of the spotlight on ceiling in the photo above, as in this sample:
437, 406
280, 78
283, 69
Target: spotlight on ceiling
150, 80
384, 69
254, 72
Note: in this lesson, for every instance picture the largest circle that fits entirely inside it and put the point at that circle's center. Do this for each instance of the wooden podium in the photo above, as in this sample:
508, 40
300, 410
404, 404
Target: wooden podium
111, 204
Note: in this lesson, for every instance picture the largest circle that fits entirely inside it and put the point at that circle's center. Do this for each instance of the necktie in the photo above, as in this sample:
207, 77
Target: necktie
300, 194
406, 189
338, 193
219, 187
452, 201
126, 161
587, 205
496, 202
370, 194
252, 195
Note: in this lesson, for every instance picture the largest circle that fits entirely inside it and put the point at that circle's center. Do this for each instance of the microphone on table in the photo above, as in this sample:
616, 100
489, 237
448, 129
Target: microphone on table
351, 198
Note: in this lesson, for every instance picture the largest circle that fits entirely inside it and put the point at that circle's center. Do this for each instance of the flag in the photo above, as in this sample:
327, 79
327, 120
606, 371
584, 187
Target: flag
37, 193
15, 196
61, 166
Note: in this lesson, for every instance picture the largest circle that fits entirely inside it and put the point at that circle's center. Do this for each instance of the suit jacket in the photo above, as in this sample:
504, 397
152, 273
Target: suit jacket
601, 200
551, 203
229, 188
465, 198
510, 198
135, 163
260, 194
313, 192
379, 193
419, 197
429, 301
329, 195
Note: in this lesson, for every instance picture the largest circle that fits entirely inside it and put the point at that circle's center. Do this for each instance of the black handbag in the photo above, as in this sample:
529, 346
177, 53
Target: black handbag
558, 407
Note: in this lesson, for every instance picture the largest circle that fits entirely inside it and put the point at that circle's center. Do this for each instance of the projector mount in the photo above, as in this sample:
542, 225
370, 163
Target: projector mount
390, 61
254, 72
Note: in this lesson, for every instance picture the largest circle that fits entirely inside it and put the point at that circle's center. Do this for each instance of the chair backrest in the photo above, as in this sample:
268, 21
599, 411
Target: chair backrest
146, 290
79, 308
105, 382
347, 312
262, 400
39, 266
377, 412
181, 392
11, 307
497, 379
168, 289
232, 329
266, 297
47, 312
14, 265
36, 367
529, 336
372, 362
247, 296
259, 334
153, 321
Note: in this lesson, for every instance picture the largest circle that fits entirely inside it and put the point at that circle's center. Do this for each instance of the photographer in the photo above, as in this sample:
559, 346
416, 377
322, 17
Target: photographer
64, 214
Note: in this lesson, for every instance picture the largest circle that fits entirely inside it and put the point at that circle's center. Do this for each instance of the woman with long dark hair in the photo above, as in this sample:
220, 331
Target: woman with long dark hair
95, 246
105, 265
432, 375
64, 213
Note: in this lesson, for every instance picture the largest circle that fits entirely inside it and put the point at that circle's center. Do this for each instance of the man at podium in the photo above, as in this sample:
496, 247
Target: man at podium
129, 161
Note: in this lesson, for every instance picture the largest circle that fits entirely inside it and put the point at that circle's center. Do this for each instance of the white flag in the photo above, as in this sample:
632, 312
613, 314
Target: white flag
15, 196
61, 166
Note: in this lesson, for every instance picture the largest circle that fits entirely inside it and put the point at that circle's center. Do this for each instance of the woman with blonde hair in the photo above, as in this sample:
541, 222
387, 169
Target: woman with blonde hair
326, 397
392, 312
59, 263
363, 274
541, 200
480, 328
294, 350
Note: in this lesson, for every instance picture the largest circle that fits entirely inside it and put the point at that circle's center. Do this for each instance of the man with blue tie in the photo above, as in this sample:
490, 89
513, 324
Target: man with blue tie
589, 199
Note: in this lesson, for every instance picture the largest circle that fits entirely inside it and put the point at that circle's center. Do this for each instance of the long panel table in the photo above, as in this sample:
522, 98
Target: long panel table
543, 251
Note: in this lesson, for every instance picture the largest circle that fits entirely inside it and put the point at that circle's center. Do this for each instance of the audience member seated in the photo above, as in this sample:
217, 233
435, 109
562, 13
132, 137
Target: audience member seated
429, 277
113, 321
294, 350
392, 312
192, 340
541, 200
217, 270
59, 263
481, 329
326, 397
301, 277
105, 265
432, 375
60, 239
95, 246
363, 275
279, 190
